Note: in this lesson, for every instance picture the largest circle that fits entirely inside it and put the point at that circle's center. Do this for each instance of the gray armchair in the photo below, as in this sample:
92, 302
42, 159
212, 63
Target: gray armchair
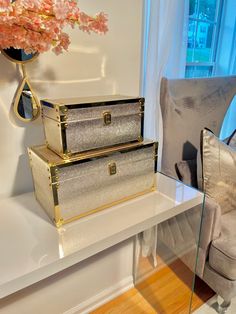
188, 106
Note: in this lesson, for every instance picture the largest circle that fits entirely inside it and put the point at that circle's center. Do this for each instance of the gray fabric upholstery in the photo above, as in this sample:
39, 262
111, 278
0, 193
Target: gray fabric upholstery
210, 230
187, 172
188, 106
231, 141
222, 255
181, 233
224, 287
219, 171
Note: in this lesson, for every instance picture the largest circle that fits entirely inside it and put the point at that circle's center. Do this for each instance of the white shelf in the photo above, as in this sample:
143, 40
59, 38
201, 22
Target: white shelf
33, 249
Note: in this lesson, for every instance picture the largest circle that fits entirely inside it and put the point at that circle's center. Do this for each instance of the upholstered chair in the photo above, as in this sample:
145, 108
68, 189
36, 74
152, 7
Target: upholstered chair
188, 106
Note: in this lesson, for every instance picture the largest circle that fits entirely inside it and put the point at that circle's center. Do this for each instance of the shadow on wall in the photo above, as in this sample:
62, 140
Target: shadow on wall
33, 135
72, 74
8, 70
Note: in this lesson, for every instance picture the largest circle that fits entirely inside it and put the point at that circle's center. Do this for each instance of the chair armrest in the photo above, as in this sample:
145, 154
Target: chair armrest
210, 230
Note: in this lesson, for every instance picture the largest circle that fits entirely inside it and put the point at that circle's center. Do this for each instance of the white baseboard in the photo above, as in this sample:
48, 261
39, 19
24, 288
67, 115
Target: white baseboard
103, 297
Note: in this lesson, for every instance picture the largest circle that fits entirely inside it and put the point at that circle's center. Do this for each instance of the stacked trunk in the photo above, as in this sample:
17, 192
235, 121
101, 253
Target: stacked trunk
94, 156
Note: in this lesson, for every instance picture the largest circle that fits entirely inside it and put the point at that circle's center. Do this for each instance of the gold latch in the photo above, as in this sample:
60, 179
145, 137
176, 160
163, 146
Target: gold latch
107, 117
112, 168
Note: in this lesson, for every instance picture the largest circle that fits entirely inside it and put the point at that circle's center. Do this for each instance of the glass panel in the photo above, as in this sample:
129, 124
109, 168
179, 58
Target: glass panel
193, 8
166, 255
207, 9
192, 29
25, 108
198, 71
203, 9
200, 39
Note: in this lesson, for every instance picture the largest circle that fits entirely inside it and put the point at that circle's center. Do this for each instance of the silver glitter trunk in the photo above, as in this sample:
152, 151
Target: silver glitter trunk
74, 188
81, 124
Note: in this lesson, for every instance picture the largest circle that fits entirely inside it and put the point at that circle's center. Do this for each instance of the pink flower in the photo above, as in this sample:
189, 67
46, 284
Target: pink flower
61, 9
37, 25
5, 5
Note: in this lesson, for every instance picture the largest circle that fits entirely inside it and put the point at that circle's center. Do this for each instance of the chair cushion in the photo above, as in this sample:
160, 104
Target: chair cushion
222, 255
187, 172
219, 171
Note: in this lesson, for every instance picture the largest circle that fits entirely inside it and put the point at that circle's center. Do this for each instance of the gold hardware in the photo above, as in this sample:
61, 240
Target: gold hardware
66, 155
107, 117
112, 168
64, 110
56, 161
153, 188
57, 219
140, 138
66, 125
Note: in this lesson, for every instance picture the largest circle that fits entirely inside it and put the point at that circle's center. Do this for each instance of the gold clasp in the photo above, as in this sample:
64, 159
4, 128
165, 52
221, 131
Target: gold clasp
107, 117
112, 168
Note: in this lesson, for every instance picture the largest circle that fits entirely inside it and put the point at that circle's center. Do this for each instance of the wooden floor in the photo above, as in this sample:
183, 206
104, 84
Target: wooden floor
167, 291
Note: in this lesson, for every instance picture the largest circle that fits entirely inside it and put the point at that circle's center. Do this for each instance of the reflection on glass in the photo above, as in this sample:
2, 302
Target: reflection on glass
198, 71
203, 9
200, 38
166, 262
207, 9
26, 106
18, 55
192, 29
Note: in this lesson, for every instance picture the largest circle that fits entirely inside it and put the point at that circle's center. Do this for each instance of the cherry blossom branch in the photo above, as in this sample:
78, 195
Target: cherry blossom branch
37, 25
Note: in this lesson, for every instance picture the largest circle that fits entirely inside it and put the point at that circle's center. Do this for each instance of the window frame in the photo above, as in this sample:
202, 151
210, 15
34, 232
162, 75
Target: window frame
215, 37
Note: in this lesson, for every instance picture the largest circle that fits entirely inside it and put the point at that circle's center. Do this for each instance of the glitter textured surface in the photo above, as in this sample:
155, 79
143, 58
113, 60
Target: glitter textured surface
87, 186
94, 113
43, 191
86, 129
91, 134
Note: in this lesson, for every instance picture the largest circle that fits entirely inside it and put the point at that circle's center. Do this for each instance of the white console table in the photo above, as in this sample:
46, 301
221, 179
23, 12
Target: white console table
33, 249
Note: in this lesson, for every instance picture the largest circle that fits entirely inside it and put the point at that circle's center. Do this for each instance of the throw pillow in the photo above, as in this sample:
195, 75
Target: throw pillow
187, 172
232, 140
219, 171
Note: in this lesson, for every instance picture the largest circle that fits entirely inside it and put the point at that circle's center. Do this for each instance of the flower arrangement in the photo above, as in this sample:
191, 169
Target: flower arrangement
37, 25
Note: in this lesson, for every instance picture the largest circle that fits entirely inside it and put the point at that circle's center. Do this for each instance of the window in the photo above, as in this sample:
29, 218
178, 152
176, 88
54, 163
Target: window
203, 33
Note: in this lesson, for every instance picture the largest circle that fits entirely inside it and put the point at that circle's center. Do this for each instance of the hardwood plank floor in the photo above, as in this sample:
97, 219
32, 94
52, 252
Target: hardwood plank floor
167, 291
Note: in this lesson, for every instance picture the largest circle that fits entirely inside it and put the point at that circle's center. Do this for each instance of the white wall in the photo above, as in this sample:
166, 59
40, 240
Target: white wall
94, 65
